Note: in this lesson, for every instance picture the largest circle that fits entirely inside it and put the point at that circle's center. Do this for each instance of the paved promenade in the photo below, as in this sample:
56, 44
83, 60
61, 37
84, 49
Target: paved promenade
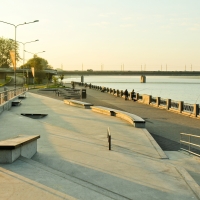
73, 160
165, 126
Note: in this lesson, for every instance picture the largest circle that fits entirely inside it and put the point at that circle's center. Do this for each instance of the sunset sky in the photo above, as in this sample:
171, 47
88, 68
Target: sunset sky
135, 33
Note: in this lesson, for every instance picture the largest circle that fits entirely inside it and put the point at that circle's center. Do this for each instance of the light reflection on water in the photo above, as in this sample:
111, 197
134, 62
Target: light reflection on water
185, 89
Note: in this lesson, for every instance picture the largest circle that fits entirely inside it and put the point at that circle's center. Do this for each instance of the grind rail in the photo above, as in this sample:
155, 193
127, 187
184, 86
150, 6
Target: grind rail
191, 145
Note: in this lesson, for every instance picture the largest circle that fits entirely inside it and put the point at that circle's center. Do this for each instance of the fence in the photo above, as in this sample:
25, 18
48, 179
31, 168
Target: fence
168, 104
192, 147
9, 94
174, 105
188, 107
163, 102
153, 100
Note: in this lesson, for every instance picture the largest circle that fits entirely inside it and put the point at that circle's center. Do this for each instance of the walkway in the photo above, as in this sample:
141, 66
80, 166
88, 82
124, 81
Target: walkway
165, 126
73, 160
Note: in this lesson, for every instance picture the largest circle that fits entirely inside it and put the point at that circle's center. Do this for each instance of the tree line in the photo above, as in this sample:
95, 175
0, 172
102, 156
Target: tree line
38, 63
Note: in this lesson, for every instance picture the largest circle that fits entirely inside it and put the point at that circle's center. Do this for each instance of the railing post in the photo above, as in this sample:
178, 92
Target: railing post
109, 138
189, 142
196, 110
157, 101
168, 104
180, 106
5, 94
137, 96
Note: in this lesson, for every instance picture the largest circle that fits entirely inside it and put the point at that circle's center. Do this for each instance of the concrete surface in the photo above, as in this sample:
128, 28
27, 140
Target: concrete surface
73, 160
165, 126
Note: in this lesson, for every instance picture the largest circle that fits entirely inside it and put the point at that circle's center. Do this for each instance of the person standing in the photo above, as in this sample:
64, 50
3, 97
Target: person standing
126, 94
132, 94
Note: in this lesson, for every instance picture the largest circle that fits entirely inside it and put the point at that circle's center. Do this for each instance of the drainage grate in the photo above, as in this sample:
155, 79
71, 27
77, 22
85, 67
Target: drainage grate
34, 116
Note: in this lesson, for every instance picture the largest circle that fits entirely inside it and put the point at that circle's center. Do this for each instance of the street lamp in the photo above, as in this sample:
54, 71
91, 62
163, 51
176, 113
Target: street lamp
34, 55
16, 44
24, 43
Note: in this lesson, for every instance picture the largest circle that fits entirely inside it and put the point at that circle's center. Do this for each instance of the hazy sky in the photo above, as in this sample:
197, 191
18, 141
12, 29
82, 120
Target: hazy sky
108, 32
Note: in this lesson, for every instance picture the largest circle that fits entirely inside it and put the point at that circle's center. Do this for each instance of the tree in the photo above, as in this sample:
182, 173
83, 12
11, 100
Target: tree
39, 64
6, 46
55, 80
61, 77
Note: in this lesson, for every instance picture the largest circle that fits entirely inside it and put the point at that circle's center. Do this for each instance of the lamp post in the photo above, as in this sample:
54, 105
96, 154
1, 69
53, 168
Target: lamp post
24, 43
16, 44
34, 55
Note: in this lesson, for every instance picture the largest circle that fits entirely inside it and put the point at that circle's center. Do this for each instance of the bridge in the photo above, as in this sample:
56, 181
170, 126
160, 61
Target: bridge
142, 74
27, 72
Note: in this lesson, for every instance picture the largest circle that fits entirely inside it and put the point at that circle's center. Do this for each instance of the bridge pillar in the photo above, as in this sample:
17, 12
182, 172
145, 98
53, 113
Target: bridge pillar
82, 79
143, 79
2, 77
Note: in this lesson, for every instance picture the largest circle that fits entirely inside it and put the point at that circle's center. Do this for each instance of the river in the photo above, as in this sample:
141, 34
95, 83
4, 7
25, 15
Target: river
185, 89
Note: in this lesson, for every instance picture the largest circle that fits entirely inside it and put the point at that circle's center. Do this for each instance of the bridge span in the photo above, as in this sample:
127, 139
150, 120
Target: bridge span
132, 73
142, 74
26, 72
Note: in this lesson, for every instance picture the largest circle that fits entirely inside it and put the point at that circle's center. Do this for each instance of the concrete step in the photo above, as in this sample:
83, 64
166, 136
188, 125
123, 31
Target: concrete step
33, 180
71, 185
187, 161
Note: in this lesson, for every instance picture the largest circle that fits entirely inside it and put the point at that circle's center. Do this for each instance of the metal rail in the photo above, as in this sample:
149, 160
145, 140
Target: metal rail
189, 143
153, 100
163, 101
175, 105
109, 138
188, 107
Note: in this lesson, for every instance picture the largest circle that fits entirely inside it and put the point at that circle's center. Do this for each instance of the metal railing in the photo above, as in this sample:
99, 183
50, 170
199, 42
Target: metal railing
169, 104
175, 105
153, 100
163, 102
188, 107
191, 146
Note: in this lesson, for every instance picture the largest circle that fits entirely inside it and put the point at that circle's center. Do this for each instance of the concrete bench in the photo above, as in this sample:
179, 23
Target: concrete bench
22, 145
22, 96
16, 102
78, 103
137, 121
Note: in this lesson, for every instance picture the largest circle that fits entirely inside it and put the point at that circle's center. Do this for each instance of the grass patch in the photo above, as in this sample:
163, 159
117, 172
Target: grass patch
8, 79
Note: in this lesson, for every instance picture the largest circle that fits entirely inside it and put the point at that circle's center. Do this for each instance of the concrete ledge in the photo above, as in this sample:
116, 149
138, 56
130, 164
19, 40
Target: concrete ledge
22, 145
16, 102
22, 96
190, 181
137, 121
78, 103
156, 146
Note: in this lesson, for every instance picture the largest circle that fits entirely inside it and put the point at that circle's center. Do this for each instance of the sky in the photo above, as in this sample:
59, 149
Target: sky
107, 34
